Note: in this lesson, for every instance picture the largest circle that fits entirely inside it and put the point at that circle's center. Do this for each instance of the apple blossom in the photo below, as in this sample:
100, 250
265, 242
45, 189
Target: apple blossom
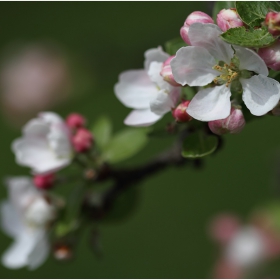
196, 16
25, 217
210, 59
228, 18
234, 123
146, 91
45, 146
271, 55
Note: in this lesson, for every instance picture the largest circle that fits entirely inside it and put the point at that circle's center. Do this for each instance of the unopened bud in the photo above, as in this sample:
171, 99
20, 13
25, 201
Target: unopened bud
166, 72
198, 16
44, 181
272, 21
270, 55
75, 121
63, 252
192, 18
82, 140
234, 123
180, 113
228, 18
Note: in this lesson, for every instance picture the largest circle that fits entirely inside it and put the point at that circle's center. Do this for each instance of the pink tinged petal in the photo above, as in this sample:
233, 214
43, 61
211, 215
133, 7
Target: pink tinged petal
260, 94
208, 36
10, 220
210, 104
193, 66
142, 118
135, 89
162, 104
271, 55
39, 253
184, 32
156, 54
198, 16
249, 60
17, 255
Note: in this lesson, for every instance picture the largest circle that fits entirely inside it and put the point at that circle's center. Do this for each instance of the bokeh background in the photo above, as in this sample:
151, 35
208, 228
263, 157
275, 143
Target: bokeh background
166, 235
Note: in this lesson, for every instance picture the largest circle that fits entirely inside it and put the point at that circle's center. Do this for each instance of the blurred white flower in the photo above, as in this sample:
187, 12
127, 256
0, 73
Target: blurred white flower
32, 79
146, 91
45, 146
25, 217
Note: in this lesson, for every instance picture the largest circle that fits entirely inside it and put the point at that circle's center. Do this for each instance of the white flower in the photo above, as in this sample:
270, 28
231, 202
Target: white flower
45, 146
25, 217
247, 248
197, 65
146, 91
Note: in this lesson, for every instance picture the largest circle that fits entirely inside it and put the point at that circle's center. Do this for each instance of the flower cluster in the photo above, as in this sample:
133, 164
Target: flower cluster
225, 77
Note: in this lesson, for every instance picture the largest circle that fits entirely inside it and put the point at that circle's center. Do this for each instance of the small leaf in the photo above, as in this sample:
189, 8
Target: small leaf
219, 5
257, 38
253, 13
125, 144
198, 145
172, 46
102, 130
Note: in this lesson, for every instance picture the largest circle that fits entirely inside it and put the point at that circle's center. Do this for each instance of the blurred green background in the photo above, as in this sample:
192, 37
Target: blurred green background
166, 236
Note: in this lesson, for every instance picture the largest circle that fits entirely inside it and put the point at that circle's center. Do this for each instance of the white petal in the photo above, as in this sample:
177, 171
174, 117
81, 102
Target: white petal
210, 104
10, 220
193, 66
249, 60
162, 104
135, 89
142, 118
17, 255
51, 117
208, 36
154, 74
39, 253
156, 54
260, 94
36, 128
35, 153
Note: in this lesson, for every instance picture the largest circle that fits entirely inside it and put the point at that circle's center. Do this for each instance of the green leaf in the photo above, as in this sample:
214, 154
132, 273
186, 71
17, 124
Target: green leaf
198, 145
102, 130
172, 46
257, 38
253, 13
125, 144
219, 5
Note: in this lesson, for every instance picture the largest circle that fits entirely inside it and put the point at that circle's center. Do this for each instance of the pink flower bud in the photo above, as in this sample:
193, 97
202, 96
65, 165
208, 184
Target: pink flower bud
234, 123
270, 55
272, 21
184, 31
192, 18
44, 181
180, 113
198, 16
82, 140
228, 18
166, 72
75, 120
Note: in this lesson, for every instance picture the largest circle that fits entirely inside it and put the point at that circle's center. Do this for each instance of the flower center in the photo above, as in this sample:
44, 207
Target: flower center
228, 73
